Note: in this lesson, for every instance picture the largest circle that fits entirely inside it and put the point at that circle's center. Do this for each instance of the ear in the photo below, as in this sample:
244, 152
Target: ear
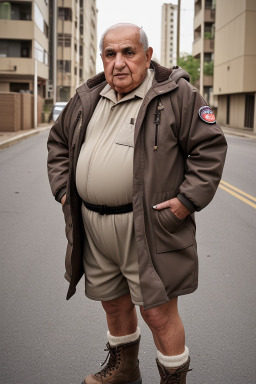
149, 54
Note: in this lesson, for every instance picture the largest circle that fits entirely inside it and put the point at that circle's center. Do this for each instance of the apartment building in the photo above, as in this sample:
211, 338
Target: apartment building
24, 30
73, 45
169, 35
235, 63
203, 46
88, 35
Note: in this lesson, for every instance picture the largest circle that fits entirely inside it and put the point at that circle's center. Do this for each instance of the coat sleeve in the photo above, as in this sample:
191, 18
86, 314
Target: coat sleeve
204, 146
58, 153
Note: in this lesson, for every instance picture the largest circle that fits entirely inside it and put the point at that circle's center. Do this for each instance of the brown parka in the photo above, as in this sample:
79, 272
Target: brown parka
187, 163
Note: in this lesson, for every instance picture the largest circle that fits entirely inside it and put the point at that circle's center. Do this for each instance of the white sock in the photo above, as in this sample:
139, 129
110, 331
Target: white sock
173, 361
117, 340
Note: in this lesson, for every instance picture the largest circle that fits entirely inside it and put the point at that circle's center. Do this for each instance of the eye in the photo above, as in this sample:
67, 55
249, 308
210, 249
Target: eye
129, 53
110, 54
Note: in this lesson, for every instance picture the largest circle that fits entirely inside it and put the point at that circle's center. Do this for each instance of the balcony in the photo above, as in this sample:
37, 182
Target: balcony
208, 81
209, 15
197, 47
9, 28
209, 46
16, 66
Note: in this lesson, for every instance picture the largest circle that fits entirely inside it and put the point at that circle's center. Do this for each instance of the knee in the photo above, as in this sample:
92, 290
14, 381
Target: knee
117, 306
159, 318
155, 319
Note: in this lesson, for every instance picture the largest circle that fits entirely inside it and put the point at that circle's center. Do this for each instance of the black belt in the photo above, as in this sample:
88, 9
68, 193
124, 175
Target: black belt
105, 210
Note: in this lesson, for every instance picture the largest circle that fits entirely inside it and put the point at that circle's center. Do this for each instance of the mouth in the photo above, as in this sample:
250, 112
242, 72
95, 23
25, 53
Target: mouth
121, 75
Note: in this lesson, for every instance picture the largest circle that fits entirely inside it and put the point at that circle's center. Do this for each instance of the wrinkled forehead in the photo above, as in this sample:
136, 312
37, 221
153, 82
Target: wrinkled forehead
121, 36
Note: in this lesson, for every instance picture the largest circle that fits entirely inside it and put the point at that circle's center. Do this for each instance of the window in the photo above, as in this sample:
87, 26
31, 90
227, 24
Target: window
65, 13
39, 52
39, 19
64, 66
64, 93
40, 22
46, 57
15, 11
15, 48
64, 39
19, 87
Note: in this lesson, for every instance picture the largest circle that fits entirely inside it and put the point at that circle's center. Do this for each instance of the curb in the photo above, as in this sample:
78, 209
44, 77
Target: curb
239, 133
22, 136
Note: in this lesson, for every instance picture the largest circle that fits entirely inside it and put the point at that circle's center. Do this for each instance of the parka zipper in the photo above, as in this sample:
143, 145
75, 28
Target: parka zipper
157, 120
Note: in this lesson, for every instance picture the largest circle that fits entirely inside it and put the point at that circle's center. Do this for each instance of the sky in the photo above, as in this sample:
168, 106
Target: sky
145, 13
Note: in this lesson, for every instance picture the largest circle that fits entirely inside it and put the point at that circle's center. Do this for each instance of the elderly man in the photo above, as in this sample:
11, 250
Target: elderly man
135, 152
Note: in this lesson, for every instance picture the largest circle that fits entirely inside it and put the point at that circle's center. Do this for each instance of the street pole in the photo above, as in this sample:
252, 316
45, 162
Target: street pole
178, 34
35, 95
54, 52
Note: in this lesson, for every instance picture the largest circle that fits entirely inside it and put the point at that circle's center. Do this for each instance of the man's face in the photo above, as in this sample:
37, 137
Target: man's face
124, 59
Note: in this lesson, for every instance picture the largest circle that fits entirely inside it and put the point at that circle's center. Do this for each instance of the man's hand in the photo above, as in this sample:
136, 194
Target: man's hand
176, 207
63, 199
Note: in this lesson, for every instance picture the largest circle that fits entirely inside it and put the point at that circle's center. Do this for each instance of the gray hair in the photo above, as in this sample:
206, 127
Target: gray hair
143, 35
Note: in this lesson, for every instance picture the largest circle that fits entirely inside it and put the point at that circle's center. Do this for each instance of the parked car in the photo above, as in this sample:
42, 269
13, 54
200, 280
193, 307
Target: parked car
57, 109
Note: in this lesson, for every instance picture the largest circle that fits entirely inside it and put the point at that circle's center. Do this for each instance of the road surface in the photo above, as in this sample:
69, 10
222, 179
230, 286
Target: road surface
47, 340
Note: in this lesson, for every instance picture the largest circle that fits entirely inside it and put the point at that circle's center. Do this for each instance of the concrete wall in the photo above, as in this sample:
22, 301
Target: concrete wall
235, 48
17, 111
237, 111
26, 111
10, 112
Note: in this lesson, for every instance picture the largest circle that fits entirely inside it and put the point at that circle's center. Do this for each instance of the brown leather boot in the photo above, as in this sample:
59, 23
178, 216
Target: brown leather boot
173, 375
122, 366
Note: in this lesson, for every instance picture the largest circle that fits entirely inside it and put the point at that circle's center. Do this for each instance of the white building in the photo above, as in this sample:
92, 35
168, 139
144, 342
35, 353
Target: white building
169, 35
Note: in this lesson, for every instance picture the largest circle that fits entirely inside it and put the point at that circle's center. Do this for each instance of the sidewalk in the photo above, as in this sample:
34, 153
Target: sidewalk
239, 132
10, 138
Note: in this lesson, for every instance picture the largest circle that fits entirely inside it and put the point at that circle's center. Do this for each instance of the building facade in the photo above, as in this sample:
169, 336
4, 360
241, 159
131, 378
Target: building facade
73, 46
235, 63
24, 46
54, 40
203, 46
169, 35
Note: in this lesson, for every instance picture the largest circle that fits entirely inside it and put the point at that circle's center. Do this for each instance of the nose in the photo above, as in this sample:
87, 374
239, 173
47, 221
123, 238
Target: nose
119, 61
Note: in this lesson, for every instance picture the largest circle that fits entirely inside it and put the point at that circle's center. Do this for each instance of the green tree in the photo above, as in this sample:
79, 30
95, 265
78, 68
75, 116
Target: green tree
208, 68
191, 65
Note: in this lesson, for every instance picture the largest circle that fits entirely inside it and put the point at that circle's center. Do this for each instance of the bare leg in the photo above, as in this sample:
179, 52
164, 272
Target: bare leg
167, 328
121, 316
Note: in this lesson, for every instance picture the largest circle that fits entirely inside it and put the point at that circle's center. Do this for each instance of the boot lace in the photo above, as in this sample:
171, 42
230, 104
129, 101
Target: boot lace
172, 378
112, 361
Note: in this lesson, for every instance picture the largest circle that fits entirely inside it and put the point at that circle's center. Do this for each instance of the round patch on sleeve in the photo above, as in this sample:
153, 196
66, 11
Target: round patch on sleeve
207, 115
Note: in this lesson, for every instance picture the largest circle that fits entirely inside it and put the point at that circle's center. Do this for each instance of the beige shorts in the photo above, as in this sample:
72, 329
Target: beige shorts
110, 257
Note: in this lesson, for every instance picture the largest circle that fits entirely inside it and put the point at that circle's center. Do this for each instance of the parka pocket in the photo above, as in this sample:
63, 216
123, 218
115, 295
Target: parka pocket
69, 236
171, 233
125, 135
169, 220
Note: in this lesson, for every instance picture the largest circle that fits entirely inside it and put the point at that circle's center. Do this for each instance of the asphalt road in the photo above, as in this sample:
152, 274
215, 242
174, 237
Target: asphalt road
47, 340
